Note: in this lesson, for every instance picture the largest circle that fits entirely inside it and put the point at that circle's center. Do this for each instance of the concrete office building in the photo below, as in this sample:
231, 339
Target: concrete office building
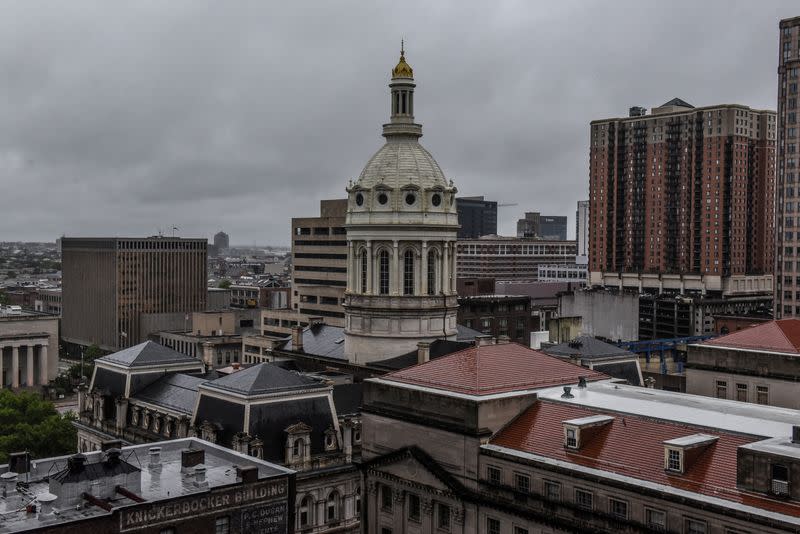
681, 200
476, 216
110, 286
510, 258
222, 241
550, 227
319, 263
787, 233
28, 347
582, 228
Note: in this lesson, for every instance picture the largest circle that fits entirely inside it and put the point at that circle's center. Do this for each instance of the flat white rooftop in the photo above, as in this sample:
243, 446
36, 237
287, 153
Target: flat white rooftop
728, 415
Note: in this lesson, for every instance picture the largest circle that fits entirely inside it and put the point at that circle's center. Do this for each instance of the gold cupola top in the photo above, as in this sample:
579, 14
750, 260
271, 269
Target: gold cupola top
403, 69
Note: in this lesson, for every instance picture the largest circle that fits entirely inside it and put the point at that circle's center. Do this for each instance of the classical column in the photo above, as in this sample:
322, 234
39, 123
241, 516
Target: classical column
29, 368
453, 262
369, 268
15, 366
351, 263
42, 365
423, 271
394, 272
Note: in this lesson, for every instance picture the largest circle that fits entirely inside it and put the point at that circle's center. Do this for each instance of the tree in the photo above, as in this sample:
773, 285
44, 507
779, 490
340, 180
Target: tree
3, 298
29, 423
92, 353
225, 284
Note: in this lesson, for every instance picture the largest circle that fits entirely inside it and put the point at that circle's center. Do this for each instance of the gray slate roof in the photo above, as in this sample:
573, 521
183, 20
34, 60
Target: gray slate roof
263, 378
322, 340
677, 102
466, 333
174, 391
148, 353
588, 348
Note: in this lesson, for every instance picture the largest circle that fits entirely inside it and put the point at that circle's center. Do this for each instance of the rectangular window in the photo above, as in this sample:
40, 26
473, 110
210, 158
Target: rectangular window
520, 530
222, 525
618, 509
494, 475
522, 482
492, 525
762, 394
674, 460
741, 392
584, 499
386, 498
722, 389
572, 438
552, 490
656, 520
413, 507
442, 516
693, 526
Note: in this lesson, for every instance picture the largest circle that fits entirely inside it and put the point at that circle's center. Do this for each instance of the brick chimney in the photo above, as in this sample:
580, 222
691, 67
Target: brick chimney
297, 338
483, 340
423, 352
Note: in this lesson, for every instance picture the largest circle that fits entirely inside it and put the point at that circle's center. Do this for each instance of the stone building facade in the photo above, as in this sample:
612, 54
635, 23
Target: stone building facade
149, 393
28, 348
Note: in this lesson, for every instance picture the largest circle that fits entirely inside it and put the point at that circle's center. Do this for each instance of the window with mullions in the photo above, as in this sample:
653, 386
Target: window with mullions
408, 273
383, 272
363, 271
432, 272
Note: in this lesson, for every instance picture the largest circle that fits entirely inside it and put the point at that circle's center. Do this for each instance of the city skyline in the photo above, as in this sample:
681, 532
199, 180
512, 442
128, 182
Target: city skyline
186, 130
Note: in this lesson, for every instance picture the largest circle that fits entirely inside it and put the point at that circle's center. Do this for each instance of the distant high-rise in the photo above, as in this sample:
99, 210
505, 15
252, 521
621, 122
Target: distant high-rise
536, 225
685, 193
582, 227
477, 217
787, 242
221, 241
113, 288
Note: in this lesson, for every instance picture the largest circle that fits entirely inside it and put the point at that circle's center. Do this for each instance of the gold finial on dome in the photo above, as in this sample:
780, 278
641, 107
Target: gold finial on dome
403, 69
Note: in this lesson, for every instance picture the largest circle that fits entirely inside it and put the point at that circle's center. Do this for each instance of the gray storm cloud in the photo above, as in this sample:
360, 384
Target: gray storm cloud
125, 117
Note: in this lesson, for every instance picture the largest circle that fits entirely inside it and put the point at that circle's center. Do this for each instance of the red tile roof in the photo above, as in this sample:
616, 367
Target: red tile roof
490, 369
633, 446
782, 335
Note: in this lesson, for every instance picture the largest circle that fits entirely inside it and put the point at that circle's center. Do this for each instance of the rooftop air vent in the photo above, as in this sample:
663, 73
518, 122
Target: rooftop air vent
567, 394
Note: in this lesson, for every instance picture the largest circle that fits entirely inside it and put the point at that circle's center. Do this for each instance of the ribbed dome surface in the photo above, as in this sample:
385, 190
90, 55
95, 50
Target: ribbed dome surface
400, 163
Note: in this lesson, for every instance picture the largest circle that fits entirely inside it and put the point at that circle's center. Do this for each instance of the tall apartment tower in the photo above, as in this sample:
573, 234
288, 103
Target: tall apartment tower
582, 227
476, 216
682, 199
114, 289
787, 236
319, 263
221, 241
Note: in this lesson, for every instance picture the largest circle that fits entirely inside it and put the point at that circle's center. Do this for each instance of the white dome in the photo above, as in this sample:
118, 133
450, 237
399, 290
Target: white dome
399, 163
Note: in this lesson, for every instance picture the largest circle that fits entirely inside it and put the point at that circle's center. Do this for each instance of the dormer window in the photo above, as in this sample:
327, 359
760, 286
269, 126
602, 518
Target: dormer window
675, 460
571, 438
679, 453
780, 480
579, 431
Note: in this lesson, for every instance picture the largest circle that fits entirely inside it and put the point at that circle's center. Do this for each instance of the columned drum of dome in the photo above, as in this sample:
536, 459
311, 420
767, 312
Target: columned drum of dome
402, 227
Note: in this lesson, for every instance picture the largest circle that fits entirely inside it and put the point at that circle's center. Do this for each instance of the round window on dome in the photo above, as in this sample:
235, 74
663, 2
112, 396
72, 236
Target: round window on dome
436, 199
359, 199
410, 199
383, 198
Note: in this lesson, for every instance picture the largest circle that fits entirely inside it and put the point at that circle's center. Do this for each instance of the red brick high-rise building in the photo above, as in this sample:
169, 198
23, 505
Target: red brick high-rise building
682, 199
787, 272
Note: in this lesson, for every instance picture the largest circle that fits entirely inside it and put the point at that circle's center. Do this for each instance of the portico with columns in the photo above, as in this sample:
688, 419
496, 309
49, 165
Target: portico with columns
402, 228
24, 361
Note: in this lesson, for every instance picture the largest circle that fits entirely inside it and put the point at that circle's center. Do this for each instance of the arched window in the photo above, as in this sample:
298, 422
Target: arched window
432, 272
304, 513
363, 271
332, 507
383, 272
408, 273
297, 448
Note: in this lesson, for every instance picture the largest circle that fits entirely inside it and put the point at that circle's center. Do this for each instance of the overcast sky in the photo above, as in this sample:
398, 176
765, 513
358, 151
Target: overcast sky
123, 118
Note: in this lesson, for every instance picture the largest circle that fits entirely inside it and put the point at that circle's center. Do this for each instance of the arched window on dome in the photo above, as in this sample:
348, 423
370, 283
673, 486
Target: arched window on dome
364, 271
431, 272
383, 272
408, 273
